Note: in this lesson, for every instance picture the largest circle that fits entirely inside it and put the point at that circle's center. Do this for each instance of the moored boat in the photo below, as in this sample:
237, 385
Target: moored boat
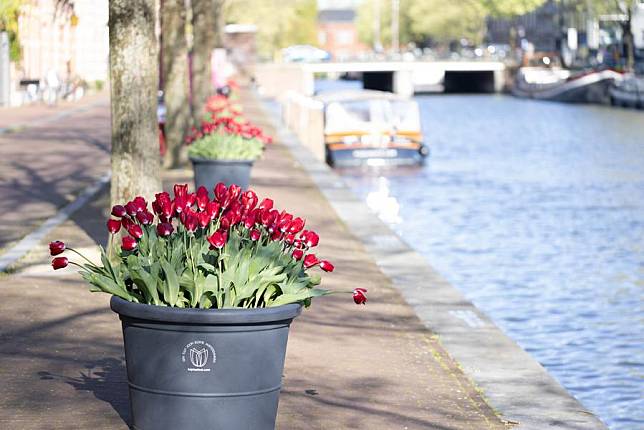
628, 93
371, 128
562, 85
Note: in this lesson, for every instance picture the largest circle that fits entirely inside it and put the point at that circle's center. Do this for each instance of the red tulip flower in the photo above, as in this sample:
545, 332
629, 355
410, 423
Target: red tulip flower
220, 192
140, 204
113, 226
135, 231
202, 198
249, 200
311, 239
190, 221
310, 260
180, 190
204, 219
255, 234
145, 217
118, 211
164, 229
59, 262
359, 296
128, 243
296, 225
326, 266
56, 247
213, 210
298, 254
218, 239
266, 204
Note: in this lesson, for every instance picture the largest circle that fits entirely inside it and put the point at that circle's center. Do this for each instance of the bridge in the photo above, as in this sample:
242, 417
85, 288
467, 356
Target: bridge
401, 77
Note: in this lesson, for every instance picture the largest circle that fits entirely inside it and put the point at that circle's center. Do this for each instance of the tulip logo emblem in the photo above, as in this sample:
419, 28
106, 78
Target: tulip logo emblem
198, 356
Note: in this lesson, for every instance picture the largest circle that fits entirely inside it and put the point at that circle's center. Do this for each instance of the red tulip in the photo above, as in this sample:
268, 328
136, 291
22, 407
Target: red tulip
296, 225
56, 247
266, 204
113, 226
277, 235
359, 296
135, 231
298, 254
140, 204
118, 211
202, 198
162, 204
145, 217
283, 221
180, 190
218, 239
180, 204
190, 221
255, 234
249, 200
213, 210
234, 192
204, 219
59, 263
220, 192
128, 243
131, 208
326, 266
311, 239
310, 260
164, 229
289, 238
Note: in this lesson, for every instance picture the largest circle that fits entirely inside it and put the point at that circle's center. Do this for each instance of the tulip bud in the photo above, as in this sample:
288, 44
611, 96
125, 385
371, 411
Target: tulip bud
59, 263
326, 266
118, 211
164, 229
135, 231
296, 225
359, 296
255, 234
128, 243
212, 209
298, 254
131, 208
56, 247
113, 226
310, 260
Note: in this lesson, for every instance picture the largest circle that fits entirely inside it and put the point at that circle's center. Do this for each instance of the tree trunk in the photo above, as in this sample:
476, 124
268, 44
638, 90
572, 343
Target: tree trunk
174, 53
205, 27
134, 78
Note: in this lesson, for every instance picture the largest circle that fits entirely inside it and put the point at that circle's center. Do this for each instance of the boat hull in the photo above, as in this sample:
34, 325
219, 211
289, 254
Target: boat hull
376, 156
590, 88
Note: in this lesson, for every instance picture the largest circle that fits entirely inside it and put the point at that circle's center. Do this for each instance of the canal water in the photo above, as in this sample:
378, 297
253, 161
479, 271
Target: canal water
535, 211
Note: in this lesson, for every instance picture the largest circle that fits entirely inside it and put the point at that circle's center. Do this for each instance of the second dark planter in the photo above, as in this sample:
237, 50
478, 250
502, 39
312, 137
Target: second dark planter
204, 369
209, 173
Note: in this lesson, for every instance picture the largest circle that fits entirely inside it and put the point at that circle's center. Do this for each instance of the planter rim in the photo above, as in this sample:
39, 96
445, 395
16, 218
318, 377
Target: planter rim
204, 316
212, 161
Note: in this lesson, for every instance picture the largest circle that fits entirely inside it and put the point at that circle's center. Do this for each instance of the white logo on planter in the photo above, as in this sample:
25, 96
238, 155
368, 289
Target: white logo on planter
199, 356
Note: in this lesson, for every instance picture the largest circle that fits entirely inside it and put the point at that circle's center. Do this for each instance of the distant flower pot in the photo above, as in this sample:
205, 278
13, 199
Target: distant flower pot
204, 368
208, 173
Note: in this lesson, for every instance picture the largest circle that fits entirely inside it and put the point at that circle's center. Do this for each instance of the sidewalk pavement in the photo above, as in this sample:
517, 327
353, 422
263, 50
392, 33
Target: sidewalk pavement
47, 164
348, 367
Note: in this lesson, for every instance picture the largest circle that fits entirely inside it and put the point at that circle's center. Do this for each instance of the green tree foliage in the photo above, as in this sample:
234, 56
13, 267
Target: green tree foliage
280, 23
9, 10
437, 20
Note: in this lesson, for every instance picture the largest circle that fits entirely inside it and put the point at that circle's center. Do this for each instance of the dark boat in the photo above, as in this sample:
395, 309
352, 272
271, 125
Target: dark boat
371, 128
628, 93
556, 84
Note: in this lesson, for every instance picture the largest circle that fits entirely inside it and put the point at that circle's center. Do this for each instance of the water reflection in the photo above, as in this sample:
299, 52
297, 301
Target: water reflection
536, 211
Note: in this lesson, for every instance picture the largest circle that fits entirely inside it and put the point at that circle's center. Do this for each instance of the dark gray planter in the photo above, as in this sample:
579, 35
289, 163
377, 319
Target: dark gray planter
204, 369
210, 172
